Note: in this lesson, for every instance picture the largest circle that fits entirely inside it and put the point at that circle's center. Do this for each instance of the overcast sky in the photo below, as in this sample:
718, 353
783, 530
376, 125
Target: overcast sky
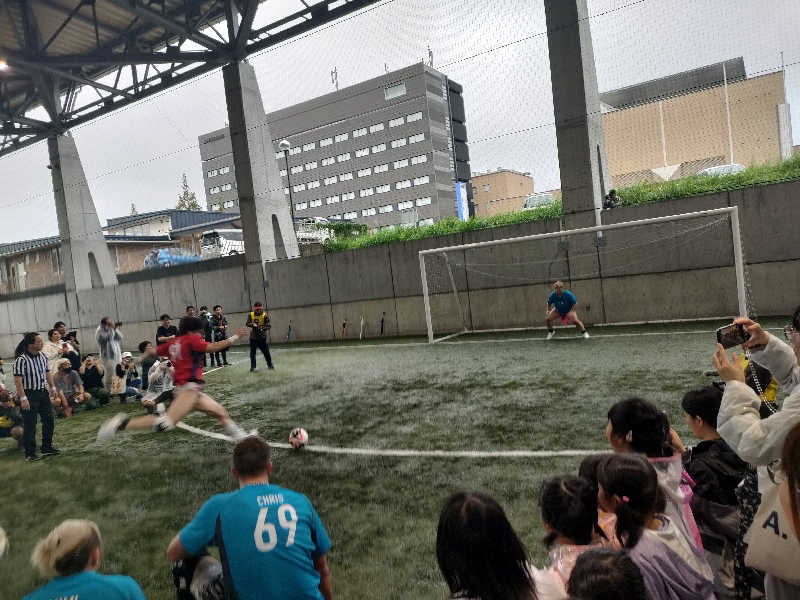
495, 48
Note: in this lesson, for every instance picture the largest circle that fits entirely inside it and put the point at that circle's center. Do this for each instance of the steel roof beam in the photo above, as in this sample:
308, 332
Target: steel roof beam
79, 17
43, 68
114, 59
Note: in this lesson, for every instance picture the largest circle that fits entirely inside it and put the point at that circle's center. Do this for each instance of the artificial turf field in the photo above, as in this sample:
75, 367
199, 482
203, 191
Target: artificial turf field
495, 392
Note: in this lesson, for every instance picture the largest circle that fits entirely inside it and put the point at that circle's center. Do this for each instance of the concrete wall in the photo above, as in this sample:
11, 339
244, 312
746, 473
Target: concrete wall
317, 294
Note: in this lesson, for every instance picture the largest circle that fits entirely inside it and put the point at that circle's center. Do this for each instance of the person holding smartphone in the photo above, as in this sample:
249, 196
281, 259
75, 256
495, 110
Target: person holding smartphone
92, 374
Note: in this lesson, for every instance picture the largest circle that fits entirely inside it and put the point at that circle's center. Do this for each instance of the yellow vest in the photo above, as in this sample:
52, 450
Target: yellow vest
261, 321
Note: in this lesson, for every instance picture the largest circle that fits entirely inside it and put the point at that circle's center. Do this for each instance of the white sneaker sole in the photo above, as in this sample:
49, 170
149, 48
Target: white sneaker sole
109, 429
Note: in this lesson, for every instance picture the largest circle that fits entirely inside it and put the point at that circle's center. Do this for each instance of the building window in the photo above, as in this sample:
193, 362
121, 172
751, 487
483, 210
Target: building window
348, 196
295, 150
227, 187
214, 190
342, 137
283, 172
359, 132
418, 160
364, 172
346, 176
385, 209
213, 173
399, 143
424, 201
376, 128
215, 207
343, 157
382, 189
350, 215
301, 206
228, 204
285, 191
401, 185
381, 168
335, 217
331, 199
310, 146
378, 148
416, 138
405, 205
424, 222
55, 260
311, 165
362, 152
422, 180
300, 187
366, 192
278, 155
297, 169
313, 184
399, 164
224, 170
485, 187
326, 162
417, 116
368, 212
315, 203
325, 142
330, 180
397, 122
394, 91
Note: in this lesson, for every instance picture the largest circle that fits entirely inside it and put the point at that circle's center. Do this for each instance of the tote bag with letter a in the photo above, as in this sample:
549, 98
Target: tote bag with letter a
773, 546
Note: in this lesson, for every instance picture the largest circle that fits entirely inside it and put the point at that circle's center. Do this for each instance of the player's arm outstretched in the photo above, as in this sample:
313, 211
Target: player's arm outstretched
226, 343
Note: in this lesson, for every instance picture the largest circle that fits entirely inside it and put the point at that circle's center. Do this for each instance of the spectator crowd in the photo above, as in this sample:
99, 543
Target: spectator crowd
653, 518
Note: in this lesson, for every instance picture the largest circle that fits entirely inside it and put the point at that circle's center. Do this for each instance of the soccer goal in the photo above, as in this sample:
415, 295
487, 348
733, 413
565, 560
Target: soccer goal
502, 285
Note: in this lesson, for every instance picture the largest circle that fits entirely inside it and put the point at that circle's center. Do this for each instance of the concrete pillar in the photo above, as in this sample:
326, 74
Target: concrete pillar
266, 222
85, 259
576, 102
785, 131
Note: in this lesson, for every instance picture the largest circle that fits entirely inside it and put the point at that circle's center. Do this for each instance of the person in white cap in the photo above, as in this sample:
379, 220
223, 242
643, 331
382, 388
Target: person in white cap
70, 555
131, 383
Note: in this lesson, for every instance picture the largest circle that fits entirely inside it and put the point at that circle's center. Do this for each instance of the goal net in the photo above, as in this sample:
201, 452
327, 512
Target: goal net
678, 267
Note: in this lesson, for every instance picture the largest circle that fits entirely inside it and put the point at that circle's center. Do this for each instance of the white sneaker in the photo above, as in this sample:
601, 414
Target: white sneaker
586, 335
550, 335
111, 427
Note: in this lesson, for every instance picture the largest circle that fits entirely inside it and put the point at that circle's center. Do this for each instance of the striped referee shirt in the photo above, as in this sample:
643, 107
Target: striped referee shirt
33, 370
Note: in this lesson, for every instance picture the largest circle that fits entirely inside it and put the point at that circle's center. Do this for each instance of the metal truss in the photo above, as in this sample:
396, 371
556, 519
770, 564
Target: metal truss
124, 50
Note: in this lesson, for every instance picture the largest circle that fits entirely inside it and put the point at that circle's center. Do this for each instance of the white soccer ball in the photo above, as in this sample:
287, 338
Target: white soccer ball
298, 438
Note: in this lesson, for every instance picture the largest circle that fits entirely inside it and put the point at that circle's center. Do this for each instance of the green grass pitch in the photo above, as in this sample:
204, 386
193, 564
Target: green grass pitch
499, 392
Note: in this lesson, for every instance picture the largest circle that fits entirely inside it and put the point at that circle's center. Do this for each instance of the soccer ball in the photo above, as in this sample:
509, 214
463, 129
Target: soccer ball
298, 438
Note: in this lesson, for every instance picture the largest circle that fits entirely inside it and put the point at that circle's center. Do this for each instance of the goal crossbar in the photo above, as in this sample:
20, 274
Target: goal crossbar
733, 211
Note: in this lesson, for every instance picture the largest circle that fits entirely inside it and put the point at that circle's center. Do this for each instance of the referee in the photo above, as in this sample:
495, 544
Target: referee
33, 379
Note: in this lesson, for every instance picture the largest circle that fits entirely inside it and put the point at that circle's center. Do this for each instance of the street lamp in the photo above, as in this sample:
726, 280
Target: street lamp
284, 145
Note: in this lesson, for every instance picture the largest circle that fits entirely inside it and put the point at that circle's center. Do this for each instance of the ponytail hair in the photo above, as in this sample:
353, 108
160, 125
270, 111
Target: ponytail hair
643, 425
27, 339
67, 549
634, 482
569, 508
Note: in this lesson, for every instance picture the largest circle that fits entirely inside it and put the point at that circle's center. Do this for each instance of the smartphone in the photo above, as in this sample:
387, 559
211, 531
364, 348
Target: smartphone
732, 335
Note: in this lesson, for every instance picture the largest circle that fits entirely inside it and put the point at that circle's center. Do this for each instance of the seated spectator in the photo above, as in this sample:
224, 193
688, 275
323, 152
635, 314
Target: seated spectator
284, 558
70, 555
479, 553
70, 387
74, 357
605, 574
160, 386
54, 349
10, 417
61, 406
671, 565
127, 372
717, 472
92, 374
147, 358
635, 425
569, 515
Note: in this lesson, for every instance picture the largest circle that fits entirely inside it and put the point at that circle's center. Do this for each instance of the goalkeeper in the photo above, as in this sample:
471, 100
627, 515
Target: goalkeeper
561, 304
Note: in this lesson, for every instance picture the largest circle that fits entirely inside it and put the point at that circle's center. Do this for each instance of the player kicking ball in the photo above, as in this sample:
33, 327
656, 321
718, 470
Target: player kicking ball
186, 353
561, 304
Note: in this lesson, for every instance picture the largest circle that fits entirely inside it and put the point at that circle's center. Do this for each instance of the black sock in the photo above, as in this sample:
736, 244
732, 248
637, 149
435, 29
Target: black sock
124, 424
583, 330
550, 329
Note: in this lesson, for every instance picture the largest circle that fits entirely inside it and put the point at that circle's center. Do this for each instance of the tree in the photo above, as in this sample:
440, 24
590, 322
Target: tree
133, 209
187, 199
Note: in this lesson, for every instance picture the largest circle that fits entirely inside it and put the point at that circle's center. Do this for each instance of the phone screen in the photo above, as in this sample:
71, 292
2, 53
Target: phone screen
732, 335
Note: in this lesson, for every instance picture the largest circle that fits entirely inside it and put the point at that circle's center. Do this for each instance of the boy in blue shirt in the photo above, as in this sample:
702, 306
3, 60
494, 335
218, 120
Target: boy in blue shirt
271, 541
561, 304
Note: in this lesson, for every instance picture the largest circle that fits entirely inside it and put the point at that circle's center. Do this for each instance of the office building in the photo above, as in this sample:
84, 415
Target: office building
500, 191
384, 152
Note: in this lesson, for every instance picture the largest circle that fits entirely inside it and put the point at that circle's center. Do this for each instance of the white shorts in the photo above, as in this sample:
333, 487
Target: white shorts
189, 386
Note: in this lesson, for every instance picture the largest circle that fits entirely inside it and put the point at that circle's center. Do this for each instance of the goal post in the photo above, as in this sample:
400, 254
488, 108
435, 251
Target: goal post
455, 277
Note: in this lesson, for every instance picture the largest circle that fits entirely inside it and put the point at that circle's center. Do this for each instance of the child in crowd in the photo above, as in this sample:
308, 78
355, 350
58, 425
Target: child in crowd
569, 514
588, 471
479, 553
717, 472
672, 567
636, 425
605, 574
